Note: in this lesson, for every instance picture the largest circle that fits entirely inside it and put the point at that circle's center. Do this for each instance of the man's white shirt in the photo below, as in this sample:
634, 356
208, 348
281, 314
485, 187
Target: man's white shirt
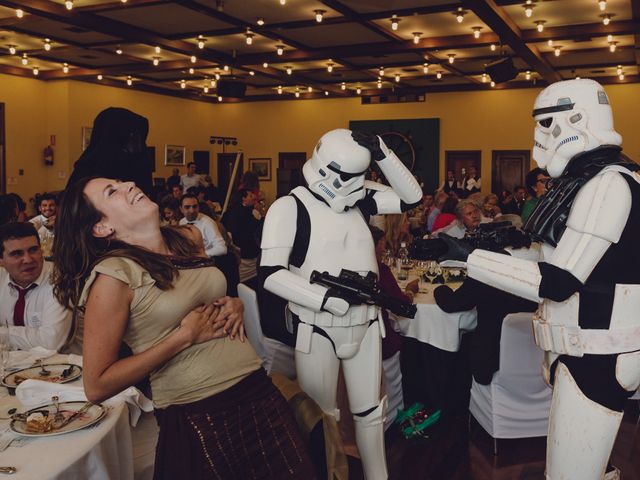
190, 181
39, 221
214, 244
46, 322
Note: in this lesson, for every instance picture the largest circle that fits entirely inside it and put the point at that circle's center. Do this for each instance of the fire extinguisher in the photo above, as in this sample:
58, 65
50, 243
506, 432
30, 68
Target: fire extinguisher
48, 155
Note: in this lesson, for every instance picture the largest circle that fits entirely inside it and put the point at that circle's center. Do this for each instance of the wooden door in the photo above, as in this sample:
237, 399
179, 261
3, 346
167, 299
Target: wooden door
456, 160
289, 174
508, 169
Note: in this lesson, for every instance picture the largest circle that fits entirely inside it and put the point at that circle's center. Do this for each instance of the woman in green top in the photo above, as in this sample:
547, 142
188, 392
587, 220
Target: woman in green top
536, 183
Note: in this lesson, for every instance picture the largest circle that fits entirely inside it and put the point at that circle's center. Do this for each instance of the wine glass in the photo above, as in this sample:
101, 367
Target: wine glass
445, 274
438, 270
430, 272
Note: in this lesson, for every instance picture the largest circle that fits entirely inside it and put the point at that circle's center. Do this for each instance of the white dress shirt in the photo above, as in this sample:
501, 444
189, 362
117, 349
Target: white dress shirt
214, 244
190, 181
39, 221
46, 322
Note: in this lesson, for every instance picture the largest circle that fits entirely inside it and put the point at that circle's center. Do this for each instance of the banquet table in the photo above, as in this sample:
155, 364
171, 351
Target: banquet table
101, 451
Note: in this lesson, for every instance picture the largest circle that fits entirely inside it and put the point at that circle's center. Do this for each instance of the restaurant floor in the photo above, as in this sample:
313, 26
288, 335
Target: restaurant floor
454, 452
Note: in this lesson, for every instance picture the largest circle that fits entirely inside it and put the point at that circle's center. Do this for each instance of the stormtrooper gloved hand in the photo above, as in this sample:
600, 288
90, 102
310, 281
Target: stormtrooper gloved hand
457, 249
371, 143
332, 303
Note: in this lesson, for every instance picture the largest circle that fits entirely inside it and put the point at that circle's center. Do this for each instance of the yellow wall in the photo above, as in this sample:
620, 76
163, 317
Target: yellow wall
486, 121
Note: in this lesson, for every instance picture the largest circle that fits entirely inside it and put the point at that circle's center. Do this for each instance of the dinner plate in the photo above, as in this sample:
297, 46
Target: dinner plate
93, 415
33, 373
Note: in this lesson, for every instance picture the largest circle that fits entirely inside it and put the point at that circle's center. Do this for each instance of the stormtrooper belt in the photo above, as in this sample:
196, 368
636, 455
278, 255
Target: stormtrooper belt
576, 341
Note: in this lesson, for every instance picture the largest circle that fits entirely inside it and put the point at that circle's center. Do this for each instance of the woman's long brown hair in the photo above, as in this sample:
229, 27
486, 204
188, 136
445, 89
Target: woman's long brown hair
76, 250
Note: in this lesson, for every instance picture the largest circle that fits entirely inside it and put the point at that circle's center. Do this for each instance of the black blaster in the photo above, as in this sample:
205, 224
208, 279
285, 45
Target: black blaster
356, 289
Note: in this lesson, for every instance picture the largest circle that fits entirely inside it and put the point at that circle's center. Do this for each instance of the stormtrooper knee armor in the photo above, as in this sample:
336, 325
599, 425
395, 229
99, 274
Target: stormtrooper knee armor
587, 281
322, 227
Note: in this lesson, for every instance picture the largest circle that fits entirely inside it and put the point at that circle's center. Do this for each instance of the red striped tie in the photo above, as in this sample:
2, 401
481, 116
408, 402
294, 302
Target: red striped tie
18, 309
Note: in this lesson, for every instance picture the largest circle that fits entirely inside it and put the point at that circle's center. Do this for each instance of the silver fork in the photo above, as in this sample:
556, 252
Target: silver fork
58, 418
43, 371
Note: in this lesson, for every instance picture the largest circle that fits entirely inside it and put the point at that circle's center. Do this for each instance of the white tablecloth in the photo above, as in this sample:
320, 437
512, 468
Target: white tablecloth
433, 326
100, 452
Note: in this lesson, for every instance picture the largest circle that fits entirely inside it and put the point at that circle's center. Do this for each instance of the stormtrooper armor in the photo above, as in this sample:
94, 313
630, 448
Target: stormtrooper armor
587, 280
322, 227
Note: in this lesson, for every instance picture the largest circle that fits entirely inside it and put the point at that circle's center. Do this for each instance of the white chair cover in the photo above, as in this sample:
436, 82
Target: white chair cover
275, 355
144, 437
517, 401
393, 388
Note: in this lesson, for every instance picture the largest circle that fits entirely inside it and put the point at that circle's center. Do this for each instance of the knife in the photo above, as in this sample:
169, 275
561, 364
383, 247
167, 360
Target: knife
75, 414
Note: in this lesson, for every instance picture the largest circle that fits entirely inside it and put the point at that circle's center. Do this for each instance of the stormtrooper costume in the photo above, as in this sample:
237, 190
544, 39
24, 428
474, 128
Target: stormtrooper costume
322, 227
587, 280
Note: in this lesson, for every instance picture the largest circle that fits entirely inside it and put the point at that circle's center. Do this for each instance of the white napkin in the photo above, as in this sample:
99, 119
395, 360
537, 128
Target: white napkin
26, 358
32, 393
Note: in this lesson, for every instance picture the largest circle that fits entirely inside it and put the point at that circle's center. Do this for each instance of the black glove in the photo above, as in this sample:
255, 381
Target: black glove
457, 249
371, 143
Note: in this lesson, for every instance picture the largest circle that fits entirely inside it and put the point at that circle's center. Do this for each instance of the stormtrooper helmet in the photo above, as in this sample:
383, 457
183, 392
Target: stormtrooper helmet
572, 117
337, 168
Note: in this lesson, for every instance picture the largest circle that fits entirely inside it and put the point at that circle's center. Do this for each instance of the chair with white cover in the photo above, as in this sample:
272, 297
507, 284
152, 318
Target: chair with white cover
393, 388
144, 437
275, 355
517, 401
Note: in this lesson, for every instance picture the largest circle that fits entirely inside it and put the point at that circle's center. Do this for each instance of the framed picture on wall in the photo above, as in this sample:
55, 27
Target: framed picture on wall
261, 167
174, 154
86, 137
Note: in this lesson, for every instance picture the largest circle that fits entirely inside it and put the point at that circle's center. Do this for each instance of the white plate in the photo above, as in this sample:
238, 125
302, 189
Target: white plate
33, 373
92, 415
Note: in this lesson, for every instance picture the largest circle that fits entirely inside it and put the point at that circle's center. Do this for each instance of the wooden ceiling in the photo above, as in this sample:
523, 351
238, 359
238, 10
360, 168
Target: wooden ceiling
195, 43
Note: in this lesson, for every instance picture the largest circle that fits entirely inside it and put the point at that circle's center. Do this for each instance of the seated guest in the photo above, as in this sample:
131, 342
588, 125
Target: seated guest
397, 231
490, 208
536, 182
176, 192
514, 203
214, 244
447, 214
468, 218
170, 212
29, 313
438, 203
47, 206
22, 207
218, 413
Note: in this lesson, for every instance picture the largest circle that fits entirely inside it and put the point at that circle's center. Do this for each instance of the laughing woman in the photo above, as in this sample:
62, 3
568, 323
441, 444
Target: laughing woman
150, 287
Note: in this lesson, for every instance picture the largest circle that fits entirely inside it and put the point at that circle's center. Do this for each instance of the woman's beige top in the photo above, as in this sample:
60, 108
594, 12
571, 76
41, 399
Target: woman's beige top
199, 371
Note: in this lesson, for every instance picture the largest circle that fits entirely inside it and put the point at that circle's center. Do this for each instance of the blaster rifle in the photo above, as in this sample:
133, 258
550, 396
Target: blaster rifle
356, 290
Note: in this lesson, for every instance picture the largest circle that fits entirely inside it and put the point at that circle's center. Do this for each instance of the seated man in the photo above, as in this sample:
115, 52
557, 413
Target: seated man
468, 217
214, 244
47, 206
29, 313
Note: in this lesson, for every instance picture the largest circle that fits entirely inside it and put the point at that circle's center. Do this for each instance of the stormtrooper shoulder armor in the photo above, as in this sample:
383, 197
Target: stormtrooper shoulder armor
602, 207
280, 224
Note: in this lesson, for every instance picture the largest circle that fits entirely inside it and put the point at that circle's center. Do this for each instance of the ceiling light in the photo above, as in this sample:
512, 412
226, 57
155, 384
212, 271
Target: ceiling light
459, 14
12, 49
283, 2
602, 4
249, 38
99, 77
556, 51
193, 59
425, 68
183, 84
19, 13
540, 25
326, 94
36, 71
381, 72
319, 14
528, 10
619, 70
68, 4
47, 44
201, 42
123, 1
289, 70
217, 75
297, 93
260, 21
65, 67
621, 76
129, 81
279, 89
309, 89
397, 77
452, 57
379, 83
329, 67
191, 71
343, 86
252, 73
358, 90
612, 46
416, 37
550, 42
158, 49
493, 47
609, 38
119, 51
527, 75
219, 97
439, 75
394, 22
25, 59
493, 84
156, 61
476, 32
205, 89
265, 65
279, 49
213, 83
484, 78
606, 19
